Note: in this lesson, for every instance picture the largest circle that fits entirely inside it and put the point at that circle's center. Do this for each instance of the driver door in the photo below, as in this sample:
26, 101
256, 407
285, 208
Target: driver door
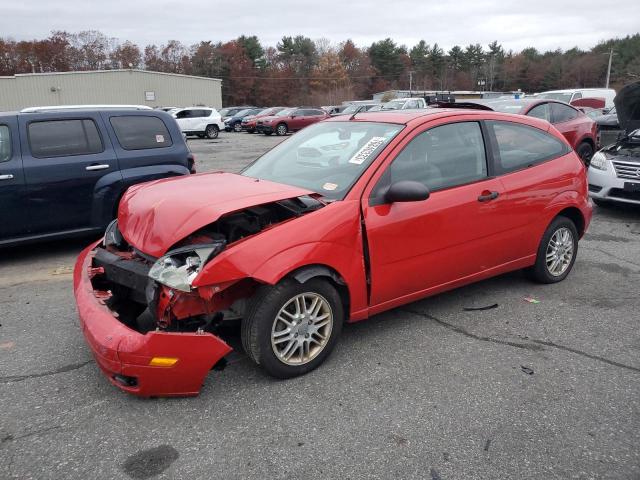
418, 248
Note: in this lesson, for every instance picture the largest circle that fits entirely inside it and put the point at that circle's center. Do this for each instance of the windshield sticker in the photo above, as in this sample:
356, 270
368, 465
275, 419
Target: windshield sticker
159, 138
366, 150
330, 186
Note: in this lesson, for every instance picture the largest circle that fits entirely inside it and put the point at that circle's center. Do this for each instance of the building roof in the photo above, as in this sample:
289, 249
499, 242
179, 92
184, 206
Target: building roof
107, 72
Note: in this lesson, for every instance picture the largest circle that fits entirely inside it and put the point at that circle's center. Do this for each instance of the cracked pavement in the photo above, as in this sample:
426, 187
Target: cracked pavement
426, 391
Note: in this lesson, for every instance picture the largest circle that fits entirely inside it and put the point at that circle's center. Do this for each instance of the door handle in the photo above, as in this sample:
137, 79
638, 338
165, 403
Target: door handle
6, 177
486, 197
102, 166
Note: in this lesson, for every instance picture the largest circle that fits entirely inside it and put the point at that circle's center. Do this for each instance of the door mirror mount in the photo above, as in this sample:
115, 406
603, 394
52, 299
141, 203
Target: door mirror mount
406, 191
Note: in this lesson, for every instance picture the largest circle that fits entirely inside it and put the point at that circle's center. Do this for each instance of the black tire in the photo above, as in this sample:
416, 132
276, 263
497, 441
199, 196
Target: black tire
585, 152
540, 271
237, 127
260, 318
251, 130
201, 135
212, 131
281, 129
267, 133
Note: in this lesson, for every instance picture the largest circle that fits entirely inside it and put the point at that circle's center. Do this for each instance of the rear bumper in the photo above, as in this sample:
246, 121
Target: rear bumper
123, 354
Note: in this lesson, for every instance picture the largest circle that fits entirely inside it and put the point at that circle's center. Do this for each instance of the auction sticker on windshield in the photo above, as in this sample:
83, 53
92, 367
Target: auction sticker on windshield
367, 149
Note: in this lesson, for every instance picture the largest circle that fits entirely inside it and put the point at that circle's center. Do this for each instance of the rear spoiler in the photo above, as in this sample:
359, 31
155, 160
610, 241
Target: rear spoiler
466, 105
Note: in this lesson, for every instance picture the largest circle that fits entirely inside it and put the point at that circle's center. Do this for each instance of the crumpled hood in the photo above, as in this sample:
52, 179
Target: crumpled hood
155, 216
627, 103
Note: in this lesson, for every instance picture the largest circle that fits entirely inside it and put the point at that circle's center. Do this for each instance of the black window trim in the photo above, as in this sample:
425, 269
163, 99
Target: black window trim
63, 119
496, 158
488, 154
136, 114
10, 143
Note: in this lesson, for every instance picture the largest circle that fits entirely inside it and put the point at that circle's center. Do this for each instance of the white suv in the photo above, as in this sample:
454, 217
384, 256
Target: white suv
404, 104
200, 121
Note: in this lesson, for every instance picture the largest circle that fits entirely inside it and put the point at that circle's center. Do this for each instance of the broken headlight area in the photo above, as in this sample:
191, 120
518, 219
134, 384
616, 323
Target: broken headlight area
178, 268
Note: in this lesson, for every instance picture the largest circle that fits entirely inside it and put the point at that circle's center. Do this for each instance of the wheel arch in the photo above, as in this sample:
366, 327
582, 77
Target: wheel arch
575, 215
307, 272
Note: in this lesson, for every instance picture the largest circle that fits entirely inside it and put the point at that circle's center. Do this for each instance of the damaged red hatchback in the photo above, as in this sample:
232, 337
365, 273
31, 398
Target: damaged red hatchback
348, 218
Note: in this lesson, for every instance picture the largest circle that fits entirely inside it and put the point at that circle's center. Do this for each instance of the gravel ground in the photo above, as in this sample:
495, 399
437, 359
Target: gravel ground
426, 391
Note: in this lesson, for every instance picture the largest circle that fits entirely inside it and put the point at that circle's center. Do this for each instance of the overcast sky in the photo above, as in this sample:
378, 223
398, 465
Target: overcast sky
543, 24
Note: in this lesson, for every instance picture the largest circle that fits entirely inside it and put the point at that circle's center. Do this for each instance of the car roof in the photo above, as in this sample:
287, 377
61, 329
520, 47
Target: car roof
63, 108
423, 115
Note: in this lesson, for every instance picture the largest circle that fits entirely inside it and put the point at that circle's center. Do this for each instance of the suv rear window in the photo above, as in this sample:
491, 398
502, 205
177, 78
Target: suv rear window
140, 132
60, 138
5, 143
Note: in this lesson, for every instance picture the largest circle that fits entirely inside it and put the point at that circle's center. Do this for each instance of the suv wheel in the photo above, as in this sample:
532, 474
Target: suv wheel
281, 129
237, 127
556, 253
291, 328
212, 131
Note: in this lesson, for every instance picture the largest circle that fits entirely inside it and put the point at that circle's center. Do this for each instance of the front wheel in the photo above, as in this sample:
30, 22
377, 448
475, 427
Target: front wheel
556, 253
212, 131
290, 328
237, 127
281, 129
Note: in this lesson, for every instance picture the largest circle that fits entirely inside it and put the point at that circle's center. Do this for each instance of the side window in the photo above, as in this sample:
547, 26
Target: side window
541, 111
412, 104
520, 146
138, 132
576, 96
314, 113
300, 113
205, 113
562, 113
183, 114
60, 138
442, 157
5, 143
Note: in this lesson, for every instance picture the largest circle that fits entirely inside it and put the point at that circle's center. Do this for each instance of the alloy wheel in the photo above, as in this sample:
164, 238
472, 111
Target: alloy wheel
559, 252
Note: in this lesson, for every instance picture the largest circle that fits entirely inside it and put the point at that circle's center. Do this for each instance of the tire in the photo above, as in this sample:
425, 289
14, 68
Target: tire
201, 135
237, 127
281, 129
585, 152
212, 131
267, 133
270, 311
563, 231
251, 130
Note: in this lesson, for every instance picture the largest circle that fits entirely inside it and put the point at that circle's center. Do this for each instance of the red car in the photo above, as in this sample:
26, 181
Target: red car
578, 128
249, 123
349, 218
290, 120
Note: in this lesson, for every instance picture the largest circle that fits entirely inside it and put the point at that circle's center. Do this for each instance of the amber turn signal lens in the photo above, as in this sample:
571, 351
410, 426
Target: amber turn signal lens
163, 361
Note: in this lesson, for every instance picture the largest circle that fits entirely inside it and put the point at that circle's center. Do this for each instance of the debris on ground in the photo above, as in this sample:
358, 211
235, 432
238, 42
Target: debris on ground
477, 309
531, 299
527, 370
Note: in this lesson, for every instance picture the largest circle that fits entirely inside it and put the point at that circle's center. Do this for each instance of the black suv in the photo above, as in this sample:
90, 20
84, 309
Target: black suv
63, 170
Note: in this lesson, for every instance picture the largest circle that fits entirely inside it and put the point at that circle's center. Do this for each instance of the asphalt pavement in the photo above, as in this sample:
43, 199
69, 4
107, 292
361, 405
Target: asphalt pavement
544, 385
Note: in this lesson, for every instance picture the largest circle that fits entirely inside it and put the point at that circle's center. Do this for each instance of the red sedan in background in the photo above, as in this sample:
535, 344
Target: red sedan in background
578, 128
248, 123
290, 120
351, 217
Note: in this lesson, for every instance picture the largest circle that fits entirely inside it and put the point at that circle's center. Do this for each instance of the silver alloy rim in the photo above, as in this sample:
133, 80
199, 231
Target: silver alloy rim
559, 251
282, 129
302, 329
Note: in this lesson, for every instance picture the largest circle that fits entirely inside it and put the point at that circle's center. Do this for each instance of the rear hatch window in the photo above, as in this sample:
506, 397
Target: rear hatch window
140, 132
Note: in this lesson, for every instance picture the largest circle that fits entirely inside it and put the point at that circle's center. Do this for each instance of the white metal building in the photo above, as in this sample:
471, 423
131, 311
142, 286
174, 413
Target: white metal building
109, 87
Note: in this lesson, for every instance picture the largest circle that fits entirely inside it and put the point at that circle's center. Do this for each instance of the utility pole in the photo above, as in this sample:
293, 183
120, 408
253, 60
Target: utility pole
609, 68
411, 72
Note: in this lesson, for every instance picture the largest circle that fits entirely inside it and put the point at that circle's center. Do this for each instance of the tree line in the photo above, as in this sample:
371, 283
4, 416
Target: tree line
299, 70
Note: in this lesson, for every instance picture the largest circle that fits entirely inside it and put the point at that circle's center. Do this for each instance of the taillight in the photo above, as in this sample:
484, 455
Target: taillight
191, 162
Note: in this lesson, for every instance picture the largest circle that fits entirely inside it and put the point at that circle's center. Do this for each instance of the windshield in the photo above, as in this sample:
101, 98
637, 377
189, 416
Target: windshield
563, 97
224, 112
351, 109
393, 105
327, 157
246, 111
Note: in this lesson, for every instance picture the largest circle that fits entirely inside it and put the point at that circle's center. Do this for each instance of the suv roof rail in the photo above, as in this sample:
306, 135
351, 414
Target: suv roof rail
83, 107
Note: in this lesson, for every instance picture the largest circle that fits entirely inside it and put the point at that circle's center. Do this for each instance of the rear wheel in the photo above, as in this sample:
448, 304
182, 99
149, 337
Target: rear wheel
585, 152
250, 130
281, 129
290, 328
212, 131
556, 253
237, 127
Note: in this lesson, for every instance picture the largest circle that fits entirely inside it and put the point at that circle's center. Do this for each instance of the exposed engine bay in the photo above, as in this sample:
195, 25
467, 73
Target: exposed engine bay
148, 293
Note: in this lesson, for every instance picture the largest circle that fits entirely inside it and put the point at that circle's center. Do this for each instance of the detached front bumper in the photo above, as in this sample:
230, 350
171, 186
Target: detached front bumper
124, 355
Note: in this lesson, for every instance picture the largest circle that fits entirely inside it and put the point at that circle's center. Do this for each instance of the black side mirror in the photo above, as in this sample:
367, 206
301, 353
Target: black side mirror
406, 191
